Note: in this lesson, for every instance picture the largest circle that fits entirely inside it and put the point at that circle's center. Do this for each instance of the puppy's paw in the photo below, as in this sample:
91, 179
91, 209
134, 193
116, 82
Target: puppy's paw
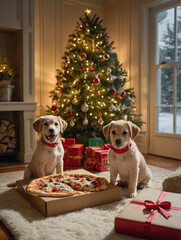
142, 185
131, 194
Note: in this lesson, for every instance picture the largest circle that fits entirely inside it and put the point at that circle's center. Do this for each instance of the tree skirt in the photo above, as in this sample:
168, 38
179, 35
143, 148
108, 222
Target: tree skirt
26, 223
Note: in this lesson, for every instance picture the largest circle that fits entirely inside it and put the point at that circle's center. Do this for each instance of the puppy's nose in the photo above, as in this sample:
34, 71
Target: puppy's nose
117, 141
51, 130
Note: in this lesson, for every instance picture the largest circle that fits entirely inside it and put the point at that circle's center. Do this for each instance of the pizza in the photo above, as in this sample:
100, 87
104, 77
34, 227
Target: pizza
66, 184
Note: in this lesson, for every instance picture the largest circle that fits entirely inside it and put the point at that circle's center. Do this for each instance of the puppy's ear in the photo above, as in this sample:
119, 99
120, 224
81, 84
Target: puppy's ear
37, 124
106, 130
63, 124
134, 130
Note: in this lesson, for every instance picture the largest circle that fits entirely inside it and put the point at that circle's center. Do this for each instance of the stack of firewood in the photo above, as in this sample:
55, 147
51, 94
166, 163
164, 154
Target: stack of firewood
7, 136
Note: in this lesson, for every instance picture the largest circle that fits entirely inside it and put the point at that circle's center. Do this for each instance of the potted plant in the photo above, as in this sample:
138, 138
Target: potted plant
7, 76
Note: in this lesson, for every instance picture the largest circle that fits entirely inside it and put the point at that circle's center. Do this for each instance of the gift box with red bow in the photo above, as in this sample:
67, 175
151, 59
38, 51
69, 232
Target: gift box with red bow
153, 214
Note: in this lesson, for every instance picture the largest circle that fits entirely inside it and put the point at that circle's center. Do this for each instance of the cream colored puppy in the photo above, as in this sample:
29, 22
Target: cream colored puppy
49, 152
124, 157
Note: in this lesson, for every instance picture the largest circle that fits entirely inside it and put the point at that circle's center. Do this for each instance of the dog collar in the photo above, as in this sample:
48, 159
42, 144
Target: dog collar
49, 144
120, 151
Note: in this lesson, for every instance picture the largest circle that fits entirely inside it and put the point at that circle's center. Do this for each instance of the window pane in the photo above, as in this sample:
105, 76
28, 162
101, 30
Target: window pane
178, 9
165, 86
165, 37
178, 86
165, 119
178, 120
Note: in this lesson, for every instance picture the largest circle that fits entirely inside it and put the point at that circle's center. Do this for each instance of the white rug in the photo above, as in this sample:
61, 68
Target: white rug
97, 223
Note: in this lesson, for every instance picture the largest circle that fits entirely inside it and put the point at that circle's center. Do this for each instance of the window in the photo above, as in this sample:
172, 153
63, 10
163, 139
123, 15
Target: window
168, 70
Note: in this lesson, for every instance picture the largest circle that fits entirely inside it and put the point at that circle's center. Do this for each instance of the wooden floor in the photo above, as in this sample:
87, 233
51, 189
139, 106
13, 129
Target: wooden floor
167, 163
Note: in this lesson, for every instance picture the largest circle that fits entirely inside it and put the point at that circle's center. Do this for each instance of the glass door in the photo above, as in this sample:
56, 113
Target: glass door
165, 84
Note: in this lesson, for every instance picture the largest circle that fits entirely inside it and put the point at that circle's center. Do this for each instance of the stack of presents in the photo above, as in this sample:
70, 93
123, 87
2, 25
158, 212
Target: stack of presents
93, 156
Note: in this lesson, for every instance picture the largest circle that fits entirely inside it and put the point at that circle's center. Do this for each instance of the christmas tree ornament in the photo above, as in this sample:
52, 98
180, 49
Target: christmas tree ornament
113, 91
111, 81
120, 97
66, 109
93, 68
106, 56
75, 101
54, 108
72, 123
82, 68
109, 70
100, 121
120, 78
85, 107
85, 122
112, 107
69, 115
87, 11
96, 80
79, 28
123, 93
83, 55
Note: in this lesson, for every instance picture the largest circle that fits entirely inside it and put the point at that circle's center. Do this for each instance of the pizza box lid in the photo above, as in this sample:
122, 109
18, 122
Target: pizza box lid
50, 206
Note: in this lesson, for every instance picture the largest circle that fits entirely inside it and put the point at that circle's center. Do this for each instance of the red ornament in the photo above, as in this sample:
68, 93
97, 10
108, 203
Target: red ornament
106, 56
69, 115
120, 78
93, 68
84, 55
123, 93
54, 108
120, 97
71, 73
113, 91
82, 68
96, 94
96, 80
79, 28
111, 81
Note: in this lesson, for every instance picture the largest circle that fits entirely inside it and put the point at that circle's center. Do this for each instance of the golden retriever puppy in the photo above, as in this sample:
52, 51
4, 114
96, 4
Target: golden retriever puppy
124, 157
49, 152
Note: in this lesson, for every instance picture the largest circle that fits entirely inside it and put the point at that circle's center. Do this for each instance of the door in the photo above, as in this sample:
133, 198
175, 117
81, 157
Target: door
165, 82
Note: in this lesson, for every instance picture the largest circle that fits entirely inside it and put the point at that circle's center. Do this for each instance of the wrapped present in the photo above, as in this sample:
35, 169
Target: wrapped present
96, 141
73, 161
153, 214
75, 150
90, 151
68, 141
90, 163
102, 163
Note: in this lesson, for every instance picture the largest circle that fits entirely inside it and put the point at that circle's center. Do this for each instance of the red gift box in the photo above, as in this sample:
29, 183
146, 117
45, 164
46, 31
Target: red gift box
73, 161
102, 163
75, 150
90, 151
152, 214
68, 141
90, 163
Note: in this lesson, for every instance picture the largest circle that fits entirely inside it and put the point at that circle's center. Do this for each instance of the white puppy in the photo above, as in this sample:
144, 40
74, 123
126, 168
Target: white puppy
49, 152
124, 157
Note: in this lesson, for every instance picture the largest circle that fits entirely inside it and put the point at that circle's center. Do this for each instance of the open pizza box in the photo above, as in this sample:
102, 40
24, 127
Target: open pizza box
50, 206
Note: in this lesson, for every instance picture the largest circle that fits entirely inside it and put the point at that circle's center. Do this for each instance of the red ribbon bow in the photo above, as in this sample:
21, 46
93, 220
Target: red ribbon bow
160, 206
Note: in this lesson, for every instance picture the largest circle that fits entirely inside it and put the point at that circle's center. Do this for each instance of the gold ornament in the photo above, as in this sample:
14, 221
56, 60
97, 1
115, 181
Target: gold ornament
72, 123
85, 122
85, 107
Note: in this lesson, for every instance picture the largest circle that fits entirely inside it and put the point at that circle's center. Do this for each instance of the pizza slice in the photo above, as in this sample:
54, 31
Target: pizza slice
67, 184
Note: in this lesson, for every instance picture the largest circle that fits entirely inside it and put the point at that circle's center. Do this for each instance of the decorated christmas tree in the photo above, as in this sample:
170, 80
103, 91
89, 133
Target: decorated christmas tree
90, 90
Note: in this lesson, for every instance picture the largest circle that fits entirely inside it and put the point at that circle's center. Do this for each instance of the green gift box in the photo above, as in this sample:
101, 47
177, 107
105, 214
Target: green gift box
95, 142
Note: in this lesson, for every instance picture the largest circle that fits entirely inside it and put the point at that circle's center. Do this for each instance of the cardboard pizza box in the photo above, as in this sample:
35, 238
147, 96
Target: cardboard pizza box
50, 206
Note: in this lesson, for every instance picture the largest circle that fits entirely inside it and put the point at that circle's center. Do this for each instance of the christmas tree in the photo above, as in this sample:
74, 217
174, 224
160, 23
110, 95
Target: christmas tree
90, 90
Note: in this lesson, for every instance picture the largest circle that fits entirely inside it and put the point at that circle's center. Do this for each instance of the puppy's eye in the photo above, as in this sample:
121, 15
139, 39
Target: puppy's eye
125, 133
114, 132
56, 124
45, 124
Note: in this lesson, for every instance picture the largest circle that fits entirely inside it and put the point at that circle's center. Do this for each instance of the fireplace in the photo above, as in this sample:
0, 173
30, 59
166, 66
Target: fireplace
17, 44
